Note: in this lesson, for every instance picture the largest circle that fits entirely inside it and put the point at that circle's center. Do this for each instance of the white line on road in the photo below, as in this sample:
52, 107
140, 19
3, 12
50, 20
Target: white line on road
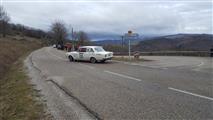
138, 64
201, 63
121, 75
198, 66
189, 93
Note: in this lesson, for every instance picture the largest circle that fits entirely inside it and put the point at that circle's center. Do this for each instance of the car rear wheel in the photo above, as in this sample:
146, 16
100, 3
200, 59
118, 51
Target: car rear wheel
71, 59
92, 60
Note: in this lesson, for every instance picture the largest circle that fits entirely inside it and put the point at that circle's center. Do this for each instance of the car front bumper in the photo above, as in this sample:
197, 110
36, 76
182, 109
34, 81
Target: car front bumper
109, 58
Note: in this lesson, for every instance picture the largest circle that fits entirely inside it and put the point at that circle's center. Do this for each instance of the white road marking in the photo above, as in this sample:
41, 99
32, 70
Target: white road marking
149, 66
137, 64
198, 67
121, 75
201, 63
189, 93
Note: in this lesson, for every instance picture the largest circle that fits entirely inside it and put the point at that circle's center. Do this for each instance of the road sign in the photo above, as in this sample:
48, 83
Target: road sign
129, 36
129, 32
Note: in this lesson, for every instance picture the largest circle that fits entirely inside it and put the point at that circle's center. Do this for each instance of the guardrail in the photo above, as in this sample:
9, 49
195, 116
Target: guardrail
171, 53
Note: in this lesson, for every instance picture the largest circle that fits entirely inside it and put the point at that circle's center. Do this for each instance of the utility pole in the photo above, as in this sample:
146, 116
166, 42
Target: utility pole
72, 33
129, 35
73, 41
129, 50
122, 43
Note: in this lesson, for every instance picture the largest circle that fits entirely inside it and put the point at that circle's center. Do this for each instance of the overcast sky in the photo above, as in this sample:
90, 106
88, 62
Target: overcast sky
160, 17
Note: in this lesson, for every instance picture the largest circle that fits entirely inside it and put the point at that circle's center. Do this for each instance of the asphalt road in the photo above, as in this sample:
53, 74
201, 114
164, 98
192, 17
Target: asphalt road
165, 88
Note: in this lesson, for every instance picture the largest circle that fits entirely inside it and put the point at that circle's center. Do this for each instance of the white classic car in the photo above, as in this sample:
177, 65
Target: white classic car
90, 53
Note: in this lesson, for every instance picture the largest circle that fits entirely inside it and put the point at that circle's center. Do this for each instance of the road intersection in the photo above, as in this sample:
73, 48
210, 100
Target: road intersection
180, 89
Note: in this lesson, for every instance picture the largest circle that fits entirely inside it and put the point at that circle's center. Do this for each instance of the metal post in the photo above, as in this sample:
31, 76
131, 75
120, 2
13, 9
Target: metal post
129, 50
122, 52
72, 33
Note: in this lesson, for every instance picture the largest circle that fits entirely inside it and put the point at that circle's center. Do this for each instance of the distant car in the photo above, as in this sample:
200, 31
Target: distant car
90, 53
54, 46
60, 47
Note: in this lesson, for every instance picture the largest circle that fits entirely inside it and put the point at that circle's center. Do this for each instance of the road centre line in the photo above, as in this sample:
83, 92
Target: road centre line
87, 66
198, 66
189, 93
121, 75
201, 63
138, 64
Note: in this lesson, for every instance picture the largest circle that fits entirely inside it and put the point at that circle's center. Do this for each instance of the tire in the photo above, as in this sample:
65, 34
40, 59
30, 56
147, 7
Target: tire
92, 60
71, 59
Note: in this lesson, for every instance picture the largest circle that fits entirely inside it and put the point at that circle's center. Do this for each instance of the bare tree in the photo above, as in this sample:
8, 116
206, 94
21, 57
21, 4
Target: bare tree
4, 19
59, 32
83, 38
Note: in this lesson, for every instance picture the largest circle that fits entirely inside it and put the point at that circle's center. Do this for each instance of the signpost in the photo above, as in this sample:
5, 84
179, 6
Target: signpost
130, 35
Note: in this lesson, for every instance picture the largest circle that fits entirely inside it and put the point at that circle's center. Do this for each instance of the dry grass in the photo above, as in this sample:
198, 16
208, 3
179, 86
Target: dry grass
17, 96
11, 48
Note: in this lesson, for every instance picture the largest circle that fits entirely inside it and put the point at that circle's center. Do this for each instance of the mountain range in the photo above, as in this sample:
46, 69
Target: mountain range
176, 42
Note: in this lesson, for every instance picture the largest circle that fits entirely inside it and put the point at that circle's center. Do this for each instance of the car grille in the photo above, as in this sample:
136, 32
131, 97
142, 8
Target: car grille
108, 55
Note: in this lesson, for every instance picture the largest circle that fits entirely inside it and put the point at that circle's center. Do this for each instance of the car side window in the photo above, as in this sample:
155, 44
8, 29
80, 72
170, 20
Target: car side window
90, 50
82, 50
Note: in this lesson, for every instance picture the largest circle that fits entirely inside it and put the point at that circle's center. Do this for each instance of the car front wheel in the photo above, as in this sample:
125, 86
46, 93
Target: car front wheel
71, 59
92, 60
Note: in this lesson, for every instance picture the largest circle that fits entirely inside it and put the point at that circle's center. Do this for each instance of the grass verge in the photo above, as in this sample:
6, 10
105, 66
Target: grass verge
18, 99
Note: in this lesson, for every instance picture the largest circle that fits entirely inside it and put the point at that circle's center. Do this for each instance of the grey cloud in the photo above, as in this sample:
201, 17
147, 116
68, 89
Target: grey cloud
144, 17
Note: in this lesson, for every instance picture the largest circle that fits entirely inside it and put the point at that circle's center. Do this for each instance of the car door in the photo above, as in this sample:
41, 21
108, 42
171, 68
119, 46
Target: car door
81, 53
88, 54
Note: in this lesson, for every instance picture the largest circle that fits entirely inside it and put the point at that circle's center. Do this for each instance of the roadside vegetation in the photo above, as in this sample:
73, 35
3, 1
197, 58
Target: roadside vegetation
60, 35
18, 99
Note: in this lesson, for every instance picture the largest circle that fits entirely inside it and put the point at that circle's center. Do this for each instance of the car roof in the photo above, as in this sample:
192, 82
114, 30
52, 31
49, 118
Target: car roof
89, 46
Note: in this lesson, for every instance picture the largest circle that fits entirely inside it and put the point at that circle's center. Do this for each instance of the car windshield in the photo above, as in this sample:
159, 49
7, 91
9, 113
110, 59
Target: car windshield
99, 49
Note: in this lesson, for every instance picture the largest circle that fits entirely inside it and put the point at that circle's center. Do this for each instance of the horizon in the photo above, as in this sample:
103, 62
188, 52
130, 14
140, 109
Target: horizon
141, 37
